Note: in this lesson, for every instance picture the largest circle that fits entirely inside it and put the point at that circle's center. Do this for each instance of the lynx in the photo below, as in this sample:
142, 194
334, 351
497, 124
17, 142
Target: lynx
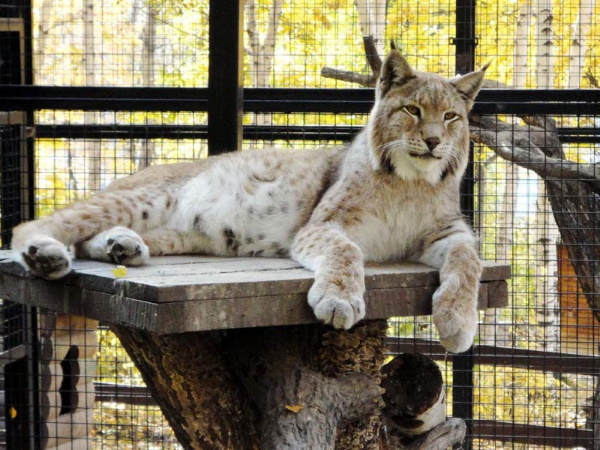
393, 194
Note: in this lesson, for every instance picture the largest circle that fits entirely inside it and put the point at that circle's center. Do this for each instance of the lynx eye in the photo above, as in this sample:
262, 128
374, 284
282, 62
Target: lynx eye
413, 110
450, 116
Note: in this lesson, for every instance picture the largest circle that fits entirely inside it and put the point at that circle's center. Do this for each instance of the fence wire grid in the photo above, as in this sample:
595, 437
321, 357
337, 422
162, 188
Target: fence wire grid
535, 366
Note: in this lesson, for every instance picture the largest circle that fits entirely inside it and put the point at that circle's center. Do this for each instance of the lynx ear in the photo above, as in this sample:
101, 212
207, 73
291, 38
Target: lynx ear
395, 71
469, 85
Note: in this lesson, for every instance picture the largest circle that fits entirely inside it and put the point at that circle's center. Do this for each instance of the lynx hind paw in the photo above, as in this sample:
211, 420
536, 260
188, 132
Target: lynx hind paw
124, 246
47, 258
455, 316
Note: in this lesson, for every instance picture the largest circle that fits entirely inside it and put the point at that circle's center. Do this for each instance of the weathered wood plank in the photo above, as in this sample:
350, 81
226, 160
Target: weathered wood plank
204, 293
241, 278
227, 313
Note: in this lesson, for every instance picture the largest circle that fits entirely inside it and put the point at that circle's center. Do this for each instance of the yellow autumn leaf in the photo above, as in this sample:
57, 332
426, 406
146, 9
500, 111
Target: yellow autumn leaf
120, 271
12, 412
294, 408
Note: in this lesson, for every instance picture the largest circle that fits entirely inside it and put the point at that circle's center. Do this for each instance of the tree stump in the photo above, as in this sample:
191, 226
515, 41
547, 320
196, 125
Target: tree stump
306, 386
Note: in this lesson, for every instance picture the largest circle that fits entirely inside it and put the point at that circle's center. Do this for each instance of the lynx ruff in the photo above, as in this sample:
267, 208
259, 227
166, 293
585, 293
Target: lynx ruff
393, 194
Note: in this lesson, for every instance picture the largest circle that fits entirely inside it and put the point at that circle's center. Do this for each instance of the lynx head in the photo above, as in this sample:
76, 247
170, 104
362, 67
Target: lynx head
418, 128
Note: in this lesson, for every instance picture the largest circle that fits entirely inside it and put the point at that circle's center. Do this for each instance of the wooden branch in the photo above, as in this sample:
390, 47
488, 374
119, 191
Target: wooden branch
349, 76
517, 144
373, 59
519, 150
372, 55
592, 79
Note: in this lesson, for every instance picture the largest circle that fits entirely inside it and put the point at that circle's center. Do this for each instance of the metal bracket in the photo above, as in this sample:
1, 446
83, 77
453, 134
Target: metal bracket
473, 41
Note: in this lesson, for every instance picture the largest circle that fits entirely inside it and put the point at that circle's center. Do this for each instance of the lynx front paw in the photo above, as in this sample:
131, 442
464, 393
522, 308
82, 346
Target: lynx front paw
125, 246
47, 258
336, 306
455, 316
340, 313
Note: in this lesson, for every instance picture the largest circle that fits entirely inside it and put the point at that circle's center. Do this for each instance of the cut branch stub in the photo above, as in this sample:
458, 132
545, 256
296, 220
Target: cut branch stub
414, 394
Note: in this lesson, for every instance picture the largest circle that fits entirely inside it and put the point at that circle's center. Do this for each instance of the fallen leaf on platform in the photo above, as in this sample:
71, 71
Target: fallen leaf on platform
120, 271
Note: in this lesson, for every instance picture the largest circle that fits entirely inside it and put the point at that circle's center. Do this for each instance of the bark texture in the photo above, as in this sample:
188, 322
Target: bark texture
270, 388
188, 377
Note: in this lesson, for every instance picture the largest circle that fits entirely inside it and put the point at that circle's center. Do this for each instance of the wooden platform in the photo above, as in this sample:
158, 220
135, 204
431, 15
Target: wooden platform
179, 294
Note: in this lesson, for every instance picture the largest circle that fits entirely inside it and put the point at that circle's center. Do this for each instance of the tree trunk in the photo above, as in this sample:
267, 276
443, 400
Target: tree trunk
148, 54
189, 379
414, 394
490, 330
92, 148
520, 66
43, 30
546, 234
261, 54
271, 388
372, 17
579, 43
545, 44
546, 274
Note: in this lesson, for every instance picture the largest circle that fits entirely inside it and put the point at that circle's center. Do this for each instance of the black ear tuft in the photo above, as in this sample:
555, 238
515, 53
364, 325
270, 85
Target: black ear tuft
469, 85
395, 71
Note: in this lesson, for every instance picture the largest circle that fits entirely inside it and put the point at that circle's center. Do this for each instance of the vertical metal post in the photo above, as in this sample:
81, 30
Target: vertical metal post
17, 205
463, 364
225, 76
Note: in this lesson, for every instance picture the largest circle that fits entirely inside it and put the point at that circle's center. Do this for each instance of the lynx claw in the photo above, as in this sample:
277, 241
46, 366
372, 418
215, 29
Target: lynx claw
47, 258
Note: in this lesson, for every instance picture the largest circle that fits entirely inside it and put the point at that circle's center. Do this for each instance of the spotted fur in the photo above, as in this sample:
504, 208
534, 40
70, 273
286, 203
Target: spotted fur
393, 194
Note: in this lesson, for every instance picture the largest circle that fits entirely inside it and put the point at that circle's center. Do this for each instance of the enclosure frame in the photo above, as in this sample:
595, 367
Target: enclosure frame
225, 101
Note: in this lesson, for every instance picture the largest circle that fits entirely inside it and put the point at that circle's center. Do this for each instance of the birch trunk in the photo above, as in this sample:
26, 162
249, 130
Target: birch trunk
546, 274
491, 331
545, 45
43, 30
578, 49
148, 56
92, 148
546, 231
372, 18
520, 66
262, 54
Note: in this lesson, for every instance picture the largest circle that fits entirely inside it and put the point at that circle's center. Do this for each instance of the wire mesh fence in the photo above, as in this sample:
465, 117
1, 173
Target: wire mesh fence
533, 372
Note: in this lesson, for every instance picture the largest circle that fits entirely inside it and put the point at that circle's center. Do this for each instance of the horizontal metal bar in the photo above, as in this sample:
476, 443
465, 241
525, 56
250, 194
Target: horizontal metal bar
554, 437
489, 101
505, 356
263, 132
123, 393
258, 132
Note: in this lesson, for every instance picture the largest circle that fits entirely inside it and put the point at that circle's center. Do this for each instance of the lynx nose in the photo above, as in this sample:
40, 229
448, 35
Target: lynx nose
432, 142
